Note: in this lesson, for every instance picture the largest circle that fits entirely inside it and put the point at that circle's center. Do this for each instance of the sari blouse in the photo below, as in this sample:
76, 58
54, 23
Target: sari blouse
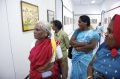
40, 56
80, 59
106, 65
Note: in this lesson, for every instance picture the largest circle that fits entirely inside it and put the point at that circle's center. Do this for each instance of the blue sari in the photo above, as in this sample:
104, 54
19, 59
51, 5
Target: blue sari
80, 59
106, 65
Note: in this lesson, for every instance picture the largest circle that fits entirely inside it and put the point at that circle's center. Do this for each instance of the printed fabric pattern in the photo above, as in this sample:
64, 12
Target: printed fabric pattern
106, 64
80, 59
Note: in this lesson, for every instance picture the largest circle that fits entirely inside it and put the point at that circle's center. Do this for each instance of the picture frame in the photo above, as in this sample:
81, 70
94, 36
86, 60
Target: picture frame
50, 16
65, 20
68, 20
29, 15
94, 21
109, 19
105, 20
74, 21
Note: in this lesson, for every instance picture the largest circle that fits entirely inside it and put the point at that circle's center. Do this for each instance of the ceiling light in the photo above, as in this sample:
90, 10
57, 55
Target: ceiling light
93, 2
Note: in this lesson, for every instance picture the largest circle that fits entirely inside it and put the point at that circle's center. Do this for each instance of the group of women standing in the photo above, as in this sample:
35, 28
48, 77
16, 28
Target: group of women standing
42, 57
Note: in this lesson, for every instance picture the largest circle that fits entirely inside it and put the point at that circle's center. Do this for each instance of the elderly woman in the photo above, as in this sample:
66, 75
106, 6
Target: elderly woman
106, 65
84, 40
43, 54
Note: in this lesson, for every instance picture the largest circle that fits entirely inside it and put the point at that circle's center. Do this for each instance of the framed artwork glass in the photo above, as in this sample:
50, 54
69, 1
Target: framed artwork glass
105, 20
65, 20
50, 16
68, 20
30, 16
109, 19
94, 21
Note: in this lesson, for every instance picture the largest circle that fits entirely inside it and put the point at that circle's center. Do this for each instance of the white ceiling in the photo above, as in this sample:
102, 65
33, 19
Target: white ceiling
86, 2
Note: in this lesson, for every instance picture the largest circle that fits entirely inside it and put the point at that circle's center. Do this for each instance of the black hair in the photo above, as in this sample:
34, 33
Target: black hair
57, 24
99, 23
86, 19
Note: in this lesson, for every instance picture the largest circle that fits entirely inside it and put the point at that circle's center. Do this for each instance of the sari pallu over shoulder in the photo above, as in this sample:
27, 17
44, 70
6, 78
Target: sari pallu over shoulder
80, 59
107, 65
40, 56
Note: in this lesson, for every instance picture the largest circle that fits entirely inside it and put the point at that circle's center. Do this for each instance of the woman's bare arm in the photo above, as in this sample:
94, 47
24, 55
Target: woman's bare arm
74, 44
61, 61
90, 70
89, 46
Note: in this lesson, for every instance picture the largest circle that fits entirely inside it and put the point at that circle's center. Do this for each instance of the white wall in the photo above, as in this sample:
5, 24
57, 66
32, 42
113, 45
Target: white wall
112, 4
68, 4
58, 10
14, 42
59, 16
98, 17
68, 28
93, 11
87, 9
68, 12
6, 61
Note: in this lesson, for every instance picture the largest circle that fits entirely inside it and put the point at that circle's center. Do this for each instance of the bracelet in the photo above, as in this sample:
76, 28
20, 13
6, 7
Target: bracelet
89, 77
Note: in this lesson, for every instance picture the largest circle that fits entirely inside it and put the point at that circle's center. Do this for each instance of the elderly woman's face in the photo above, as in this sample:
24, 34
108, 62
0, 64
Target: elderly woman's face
39, 33
109, 39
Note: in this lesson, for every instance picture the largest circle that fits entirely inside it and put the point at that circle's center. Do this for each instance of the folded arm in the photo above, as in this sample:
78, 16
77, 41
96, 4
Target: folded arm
62, 65
83, 46
90, 70
87, 46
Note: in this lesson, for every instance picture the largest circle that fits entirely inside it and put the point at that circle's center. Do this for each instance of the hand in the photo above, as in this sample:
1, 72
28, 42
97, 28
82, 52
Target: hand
101, 77
90, 77
63, 77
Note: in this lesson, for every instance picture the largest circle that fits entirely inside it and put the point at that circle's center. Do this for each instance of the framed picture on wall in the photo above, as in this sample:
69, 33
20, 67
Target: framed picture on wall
30, 16
105, 20
50, 16
94, 21
109, 19
68, 20
74, 21
65, 20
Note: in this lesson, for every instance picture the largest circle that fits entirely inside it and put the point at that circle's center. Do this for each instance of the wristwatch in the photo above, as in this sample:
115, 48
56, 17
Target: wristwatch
89, 77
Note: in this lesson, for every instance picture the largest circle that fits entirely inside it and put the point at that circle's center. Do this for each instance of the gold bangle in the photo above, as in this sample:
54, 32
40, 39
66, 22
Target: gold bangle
89, 77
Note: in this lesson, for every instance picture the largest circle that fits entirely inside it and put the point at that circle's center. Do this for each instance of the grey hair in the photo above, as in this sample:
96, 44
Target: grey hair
46, 27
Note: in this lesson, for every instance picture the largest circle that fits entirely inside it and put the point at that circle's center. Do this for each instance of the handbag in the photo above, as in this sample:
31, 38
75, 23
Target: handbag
70, 52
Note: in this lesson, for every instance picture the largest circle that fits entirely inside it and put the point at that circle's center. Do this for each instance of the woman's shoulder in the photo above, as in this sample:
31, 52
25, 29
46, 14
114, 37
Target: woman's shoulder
94, 33
63, 33
102, 46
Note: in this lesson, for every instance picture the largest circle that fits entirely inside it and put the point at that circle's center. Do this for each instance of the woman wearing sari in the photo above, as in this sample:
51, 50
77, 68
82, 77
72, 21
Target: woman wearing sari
106, 64
43, 53
83, 42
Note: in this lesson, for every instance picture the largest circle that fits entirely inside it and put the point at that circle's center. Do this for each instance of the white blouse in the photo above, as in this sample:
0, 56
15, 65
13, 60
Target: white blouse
58, 52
